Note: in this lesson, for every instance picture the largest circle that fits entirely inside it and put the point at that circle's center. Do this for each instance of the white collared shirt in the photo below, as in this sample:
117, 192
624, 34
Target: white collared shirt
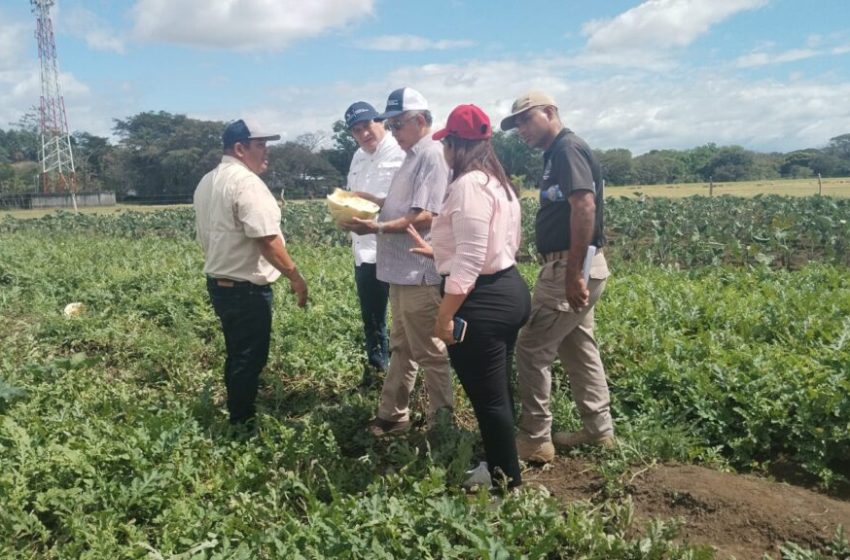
372, 173
233, 207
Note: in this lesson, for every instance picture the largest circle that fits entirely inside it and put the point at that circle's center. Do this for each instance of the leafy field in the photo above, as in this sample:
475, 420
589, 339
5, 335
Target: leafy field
102, 210
835, 187
114, 441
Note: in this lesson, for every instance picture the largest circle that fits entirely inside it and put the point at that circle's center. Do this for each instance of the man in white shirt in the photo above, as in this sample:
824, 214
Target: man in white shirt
371, 172
237, 223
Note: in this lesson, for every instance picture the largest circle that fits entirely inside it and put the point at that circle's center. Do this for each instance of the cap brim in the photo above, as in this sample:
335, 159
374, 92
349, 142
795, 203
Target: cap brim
264, 137
362, 119
508, 123
388, 115
440, 134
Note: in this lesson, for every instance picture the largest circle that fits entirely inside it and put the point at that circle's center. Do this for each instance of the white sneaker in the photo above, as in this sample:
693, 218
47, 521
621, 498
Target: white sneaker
479, 476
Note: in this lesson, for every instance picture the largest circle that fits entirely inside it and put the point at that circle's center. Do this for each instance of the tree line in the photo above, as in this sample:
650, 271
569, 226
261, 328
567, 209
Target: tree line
160, 156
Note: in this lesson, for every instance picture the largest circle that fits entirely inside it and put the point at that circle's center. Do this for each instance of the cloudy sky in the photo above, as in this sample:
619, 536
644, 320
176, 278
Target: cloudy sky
765, 74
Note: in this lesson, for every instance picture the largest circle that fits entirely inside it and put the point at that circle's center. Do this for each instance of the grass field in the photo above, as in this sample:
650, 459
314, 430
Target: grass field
837, 187
106, 210
114, 439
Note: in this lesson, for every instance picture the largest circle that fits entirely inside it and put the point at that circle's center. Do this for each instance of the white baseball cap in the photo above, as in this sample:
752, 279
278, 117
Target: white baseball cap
401, 100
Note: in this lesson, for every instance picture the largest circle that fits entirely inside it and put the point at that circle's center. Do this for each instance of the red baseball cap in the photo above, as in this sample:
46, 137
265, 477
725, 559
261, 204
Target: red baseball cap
468, 122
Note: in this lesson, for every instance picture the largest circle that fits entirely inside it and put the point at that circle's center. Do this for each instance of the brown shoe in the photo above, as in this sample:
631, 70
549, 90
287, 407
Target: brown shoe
383, 428
534, 452
574, 439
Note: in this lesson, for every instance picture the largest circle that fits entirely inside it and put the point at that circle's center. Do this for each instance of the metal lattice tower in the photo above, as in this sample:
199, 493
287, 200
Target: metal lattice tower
57, 158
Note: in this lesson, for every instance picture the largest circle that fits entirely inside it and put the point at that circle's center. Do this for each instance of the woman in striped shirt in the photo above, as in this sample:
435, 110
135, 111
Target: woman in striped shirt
474, 241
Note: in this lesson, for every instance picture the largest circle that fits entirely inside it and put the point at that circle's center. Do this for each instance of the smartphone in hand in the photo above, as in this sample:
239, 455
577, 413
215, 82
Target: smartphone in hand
459, 329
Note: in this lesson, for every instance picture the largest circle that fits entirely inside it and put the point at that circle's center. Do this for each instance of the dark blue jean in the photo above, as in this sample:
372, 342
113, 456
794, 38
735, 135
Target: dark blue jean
373, 295
245, 312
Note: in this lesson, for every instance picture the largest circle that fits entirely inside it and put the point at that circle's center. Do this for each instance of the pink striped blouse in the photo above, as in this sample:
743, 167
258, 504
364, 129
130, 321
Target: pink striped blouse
477, 231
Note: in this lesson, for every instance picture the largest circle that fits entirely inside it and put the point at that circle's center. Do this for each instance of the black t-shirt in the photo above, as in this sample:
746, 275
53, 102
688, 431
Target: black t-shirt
568, 166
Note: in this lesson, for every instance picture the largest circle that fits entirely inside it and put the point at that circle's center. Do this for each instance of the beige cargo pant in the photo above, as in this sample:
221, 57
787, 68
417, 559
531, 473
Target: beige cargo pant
412, 344
554, 328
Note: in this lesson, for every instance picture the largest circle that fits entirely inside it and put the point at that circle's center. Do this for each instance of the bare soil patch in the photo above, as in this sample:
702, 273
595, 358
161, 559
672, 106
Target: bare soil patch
741, 516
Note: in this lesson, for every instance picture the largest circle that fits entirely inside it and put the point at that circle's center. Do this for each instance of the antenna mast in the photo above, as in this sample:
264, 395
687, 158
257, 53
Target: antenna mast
57, 159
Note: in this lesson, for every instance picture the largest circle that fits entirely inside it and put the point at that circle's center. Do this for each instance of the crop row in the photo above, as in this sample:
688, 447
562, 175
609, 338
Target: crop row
770, 230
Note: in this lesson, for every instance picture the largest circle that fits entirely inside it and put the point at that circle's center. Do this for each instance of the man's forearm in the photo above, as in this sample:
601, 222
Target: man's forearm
417, 218
582, 218
274, 251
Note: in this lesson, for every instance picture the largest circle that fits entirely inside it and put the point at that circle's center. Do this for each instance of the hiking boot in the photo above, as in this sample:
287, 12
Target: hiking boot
574, 439
534, 452
383, 428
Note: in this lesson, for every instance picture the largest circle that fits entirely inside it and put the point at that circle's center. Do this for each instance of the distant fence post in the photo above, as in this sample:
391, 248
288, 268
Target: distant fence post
820, 186
711, 186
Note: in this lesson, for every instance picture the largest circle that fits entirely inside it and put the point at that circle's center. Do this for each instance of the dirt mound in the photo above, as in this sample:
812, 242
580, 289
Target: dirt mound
741, 516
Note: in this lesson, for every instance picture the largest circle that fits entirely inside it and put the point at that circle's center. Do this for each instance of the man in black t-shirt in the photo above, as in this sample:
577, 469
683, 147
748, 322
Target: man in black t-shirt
569, 235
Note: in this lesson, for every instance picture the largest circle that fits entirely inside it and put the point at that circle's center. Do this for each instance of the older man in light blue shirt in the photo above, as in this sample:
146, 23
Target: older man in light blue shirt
415, 196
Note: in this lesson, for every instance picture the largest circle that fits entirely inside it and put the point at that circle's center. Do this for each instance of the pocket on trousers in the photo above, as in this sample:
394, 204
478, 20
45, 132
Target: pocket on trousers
599, 267
541, 318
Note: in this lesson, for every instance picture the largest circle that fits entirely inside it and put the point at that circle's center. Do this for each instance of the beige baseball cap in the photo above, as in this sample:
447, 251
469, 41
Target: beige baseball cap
524, 103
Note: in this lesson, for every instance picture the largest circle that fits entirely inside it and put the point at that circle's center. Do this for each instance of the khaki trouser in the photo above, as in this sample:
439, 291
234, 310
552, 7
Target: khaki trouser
414, 312
555, 328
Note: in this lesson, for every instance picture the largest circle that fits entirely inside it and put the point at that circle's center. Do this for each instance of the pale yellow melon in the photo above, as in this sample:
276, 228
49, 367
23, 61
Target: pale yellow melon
344, 206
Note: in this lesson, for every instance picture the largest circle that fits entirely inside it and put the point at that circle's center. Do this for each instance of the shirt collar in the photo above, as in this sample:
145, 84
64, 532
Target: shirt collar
556, 141
383, 146
230, 159
420, 145
387, 143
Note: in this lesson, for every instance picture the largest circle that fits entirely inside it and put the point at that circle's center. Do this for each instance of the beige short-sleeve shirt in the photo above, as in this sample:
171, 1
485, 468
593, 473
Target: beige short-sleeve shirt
233, 207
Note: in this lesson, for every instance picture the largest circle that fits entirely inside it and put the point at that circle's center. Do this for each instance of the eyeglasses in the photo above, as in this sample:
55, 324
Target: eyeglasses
399, 124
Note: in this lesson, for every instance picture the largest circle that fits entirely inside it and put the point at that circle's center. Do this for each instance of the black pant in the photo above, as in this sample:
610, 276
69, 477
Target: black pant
245, 311
373, 295
494, 311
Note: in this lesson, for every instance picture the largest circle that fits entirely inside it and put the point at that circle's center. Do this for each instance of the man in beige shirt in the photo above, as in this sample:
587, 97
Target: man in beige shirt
238, 226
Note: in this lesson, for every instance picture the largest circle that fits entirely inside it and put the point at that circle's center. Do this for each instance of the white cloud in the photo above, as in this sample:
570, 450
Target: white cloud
20, 92
17, 72
95, 31
242, 25
20, 86
411, 43
13, 38
639, 111
640, 35
762, 56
